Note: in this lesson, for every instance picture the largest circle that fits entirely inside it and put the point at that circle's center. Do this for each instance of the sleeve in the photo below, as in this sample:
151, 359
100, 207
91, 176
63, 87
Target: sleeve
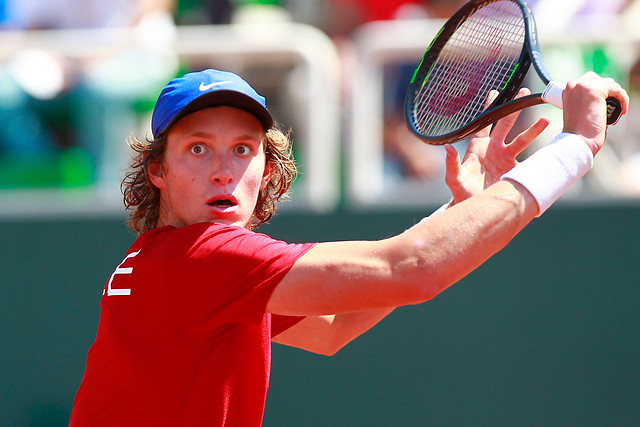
279, 323
225, 274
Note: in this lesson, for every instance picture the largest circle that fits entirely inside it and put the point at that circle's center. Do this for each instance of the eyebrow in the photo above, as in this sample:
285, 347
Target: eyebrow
241, 137
198, 134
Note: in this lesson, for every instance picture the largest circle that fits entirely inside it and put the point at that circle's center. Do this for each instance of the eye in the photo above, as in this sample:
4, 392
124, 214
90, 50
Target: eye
243, 149
197, 149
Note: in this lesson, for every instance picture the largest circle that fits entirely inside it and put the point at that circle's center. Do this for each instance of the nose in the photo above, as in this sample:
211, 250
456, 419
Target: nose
222, 172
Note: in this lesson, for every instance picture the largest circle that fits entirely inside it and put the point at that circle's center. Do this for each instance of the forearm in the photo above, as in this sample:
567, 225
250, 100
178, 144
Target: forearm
424, 261
418, 264
328, 334
345, 277
443, 249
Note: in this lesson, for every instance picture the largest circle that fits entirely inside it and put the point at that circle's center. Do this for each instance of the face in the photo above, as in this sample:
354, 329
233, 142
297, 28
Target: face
213, 169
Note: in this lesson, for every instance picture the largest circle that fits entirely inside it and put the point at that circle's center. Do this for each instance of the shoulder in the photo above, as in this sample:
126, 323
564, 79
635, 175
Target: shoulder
202, 239
192, 234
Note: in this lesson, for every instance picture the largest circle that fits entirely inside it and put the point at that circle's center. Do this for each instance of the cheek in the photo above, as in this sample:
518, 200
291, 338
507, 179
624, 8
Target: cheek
182, 187
254, 184
183, 174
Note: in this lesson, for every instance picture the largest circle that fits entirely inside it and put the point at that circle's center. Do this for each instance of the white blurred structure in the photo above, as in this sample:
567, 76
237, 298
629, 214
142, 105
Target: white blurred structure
237, 47
332, 102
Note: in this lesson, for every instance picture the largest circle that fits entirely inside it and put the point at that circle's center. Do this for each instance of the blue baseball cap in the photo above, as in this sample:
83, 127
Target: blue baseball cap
203, 89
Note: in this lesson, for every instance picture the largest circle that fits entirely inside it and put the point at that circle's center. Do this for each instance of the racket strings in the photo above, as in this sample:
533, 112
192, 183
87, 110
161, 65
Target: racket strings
480, 56
473, 33
464, 102
475, 71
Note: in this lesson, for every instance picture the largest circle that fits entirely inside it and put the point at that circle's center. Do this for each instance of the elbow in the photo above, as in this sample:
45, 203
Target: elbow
323, 351
327, 353
322, 347
414, 281
330, 349
422, 298
432, 289
422, 290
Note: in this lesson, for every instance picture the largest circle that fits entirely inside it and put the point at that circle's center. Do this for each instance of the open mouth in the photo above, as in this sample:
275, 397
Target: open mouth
222, 203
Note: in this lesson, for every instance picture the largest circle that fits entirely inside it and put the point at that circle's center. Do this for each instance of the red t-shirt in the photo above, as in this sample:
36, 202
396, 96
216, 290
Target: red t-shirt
183, 338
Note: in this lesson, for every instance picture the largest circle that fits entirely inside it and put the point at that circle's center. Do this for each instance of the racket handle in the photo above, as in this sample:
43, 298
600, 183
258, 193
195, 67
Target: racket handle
553, 95
614, 109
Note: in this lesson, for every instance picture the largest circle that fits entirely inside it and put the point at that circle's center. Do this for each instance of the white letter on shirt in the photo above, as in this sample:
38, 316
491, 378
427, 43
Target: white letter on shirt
121, 270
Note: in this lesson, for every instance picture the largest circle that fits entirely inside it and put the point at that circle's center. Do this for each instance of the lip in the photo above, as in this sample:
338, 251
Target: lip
223, 203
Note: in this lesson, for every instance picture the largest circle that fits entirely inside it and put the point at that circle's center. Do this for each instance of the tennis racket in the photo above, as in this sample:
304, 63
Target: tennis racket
486, 45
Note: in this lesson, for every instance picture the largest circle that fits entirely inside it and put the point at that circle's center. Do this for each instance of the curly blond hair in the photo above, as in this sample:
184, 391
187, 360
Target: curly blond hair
142, 198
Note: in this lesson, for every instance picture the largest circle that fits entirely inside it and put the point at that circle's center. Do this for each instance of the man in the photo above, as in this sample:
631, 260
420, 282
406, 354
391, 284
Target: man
188, 315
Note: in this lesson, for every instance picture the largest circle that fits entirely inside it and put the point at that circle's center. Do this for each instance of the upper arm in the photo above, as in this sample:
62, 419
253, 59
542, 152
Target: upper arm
341, 277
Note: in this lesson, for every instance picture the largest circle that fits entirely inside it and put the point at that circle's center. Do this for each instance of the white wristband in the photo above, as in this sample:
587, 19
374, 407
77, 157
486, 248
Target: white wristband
550, 171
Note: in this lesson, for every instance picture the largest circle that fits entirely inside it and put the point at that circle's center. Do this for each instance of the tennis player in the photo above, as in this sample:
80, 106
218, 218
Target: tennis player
189, 313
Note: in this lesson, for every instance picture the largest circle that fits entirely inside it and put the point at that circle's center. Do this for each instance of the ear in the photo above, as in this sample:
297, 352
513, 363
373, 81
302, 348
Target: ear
156, 174
266, 176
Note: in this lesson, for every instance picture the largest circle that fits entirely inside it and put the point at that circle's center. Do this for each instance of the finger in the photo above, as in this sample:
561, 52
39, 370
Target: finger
504, 126
452, 173
452, 160
524, 139
453, 167
616, 91
608, 85
491, 96
584, 107
483, 133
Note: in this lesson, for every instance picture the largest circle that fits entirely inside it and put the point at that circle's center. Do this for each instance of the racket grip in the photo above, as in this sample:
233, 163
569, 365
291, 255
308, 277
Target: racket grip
614, 109
553, 95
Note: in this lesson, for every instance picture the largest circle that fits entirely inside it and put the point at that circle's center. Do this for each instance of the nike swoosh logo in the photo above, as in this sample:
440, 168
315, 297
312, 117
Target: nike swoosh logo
203, 87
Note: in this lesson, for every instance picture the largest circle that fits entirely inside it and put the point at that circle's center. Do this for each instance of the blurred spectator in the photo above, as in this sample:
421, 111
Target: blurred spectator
568, 60
343, 16
588, 16
629, 171
405, 155
62, 121
204, 12
57, 14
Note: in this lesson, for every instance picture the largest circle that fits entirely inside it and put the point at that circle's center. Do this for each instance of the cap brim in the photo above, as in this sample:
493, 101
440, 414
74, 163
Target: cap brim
228, 98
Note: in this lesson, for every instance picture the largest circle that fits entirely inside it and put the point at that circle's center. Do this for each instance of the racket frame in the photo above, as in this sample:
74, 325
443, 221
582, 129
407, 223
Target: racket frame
504, 104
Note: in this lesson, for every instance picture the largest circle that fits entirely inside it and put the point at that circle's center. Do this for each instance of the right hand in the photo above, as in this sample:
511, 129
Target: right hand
584, 104
488, 155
